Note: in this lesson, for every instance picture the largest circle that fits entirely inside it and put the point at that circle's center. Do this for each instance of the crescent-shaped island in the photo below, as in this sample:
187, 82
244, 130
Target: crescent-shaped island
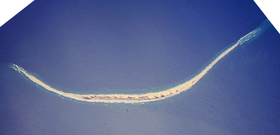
145, 97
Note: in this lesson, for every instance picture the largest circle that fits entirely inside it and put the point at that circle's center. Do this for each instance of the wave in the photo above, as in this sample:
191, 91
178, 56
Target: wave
255, 32
146, 97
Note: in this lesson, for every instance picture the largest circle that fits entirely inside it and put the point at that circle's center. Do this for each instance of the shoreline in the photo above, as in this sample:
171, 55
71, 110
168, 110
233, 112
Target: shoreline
150, 96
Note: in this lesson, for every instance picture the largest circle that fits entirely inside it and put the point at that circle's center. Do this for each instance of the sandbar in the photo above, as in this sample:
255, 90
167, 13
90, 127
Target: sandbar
145, 97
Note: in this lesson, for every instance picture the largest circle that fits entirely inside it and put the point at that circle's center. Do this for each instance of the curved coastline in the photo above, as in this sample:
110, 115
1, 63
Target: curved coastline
146, 97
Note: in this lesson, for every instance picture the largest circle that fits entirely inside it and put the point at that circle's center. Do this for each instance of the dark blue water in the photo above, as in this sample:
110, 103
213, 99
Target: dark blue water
135, 47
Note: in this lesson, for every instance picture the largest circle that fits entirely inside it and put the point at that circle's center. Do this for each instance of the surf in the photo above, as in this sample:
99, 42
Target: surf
145, 97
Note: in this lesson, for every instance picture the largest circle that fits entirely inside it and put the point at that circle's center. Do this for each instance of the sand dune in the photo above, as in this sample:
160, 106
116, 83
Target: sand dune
146, 97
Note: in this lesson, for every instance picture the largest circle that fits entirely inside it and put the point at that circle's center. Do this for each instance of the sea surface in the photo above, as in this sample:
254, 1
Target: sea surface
137, 47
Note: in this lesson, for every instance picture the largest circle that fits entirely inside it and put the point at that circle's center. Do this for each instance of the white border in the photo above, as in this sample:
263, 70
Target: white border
271, 9
9, 8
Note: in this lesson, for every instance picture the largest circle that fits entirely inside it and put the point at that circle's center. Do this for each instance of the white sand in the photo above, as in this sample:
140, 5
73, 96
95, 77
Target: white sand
146, 97
128, 98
